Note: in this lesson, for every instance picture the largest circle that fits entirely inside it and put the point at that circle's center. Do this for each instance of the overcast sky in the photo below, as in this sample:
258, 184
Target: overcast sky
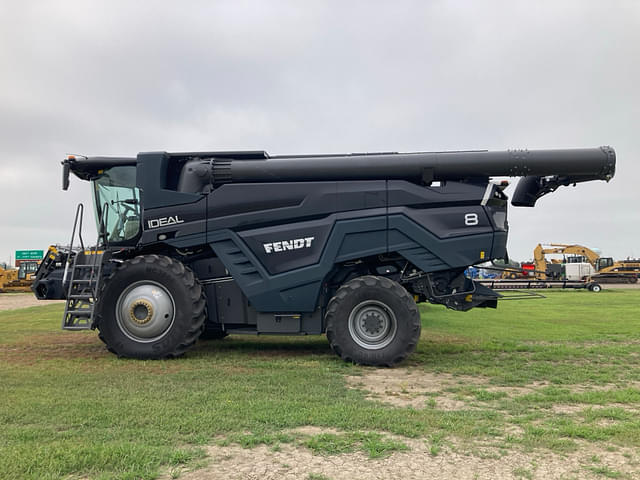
116, 78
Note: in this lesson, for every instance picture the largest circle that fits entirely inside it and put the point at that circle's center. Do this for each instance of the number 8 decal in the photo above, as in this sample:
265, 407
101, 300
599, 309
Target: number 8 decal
471, 219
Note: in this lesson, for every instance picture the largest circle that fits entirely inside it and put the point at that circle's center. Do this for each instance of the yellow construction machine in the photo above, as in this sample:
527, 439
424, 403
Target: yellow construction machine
20, 279
7, 275
605, 269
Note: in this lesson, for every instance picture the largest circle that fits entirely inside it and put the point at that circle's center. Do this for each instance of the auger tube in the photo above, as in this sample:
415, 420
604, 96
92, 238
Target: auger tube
593, 162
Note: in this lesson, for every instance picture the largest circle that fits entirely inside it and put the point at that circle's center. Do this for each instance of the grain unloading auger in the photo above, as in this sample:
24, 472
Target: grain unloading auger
211, 243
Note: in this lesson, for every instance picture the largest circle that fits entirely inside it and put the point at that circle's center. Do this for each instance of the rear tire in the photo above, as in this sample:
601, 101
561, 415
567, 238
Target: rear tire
372, 321
150, 307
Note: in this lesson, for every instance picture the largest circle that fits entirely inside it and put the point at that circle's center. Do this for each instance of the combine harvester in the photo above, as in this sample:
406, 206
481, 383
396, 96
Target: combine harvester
211, 243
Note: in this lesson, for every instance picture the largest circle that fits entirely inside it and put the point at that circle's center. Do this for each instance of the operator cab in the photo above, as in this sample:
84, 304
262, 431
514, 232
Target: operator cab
604, 262
26, 269
117, 202
115, 195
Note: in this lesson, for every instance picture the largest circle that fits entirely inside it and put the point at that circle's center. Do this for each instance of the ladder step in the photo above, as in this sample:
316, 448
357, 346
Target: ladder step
81, 292
86, 326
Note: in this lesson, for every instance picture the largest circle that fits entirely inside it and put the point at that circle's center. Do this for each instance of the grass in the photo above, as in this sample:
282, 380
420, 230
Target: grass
373, 444
521, 472
317, 476
69, 408
606, 472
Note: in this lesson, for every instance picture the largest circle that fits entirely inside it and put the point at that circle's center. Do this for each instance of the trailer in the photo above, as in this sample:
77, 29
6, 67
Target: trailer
534, 284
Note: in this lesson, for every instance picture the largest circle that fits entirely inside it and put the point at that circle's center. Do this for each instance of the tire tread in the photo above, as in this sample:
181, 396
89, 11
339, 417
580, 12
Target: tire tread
348, 289
197, 301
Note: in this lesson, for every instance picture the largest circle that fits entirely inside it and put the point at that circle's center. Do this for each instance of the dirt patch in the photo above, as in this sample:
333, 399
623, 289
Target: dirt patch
295, 462
575, 408
578, 388
403, 387
310, 431
418, 389
447, 403
513, 431
569, 409
14, 301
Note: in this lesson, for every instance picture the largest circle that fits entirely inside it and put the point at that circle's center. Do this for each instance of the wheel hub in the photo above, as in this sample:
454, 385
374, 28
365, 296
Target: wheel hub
372, 324
141, 311
145, 311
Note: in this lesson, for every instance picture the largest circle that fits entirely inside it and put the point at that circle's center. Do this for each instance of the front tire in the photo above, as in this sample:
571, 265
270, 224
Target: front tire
150, 307
372, 321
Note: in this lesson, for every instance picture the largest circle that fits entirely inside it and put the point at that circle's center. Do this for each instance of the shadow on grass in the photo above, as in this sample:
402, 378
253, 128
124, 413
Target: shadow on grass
266, 346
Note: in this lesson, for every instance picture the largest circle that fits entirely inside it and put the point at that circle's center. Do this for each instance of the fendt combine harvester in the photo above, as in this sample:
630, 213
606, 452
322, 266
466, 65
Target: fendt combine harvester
206, 244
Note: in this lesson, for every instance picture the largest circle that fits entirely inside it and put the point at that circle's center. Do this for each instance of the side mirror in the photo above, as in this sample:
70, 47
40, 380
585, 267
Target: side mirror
65, 174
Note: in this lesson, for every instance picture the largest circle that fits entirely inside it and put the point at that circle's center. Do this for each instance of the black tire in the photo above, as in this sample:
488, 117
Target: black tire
595, 287
165, 304
372, 321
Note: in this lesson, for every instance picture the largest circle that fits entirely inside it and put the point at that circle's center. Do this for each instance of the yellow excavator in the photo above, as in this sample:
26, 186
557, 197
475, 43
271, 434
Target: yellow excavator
606, 269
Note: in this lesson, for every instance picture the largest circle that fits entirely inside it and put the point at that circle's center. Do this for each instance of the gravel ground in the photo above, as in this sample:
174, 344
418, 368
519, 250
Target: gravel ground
458, 462
13, 301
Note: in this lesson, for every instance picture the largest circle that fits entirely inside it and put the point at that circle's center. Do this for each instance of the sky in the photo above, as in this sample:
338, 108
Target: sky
120, 77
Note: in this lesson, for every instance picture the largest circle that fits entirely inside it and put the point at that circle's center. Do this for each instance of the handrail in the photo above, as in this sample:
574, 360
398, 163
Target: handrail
104, 217
77, 222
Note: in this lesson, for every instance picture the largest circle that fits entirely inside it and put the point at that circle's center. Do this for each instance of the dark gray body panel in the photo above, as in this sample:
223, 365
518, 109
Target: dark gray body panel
297, 290
280, 240
345, 220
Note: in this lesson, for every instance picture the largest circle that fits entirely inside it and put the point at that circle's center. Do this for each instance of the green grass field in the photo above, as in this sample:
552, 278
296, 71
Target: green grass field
71, 409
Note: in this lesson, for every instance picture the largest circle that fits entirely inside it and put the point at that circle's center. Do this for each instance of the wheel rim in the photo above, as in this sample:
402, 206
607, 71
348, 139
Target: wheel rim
145, 311
372, 325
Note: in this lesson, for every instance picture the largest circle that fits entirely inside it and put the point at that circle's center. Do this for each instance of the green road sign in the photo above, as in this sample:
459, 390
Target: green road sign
29, 254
